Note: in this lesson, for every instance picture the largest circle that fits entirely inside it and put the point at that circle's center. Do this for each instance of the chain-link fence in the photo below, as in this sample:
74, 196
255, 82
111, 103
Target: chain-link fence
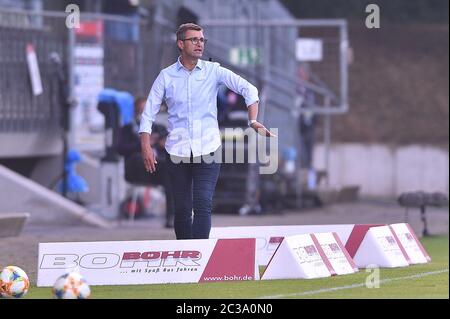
20, 110
103, 51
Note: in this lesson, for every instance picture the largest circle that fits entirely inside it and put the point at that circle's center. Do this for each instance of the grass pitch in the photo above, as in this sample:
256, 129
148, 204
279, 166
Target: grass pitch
418, 281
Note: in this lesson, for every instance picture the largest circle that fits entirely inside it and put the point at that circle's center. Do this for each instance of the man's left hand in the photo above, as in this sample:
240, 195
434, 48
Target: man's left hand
261, 130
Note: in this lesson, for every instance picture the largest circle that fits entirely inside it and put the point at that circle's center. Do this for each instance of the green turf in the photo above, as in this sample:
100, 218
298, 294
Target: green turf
430, 286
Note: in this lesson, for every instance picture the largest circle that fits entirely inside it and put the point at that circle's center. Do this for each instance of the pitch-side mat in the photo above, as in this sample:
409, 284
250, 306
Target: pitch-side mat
150, 262
367, 244
312, 252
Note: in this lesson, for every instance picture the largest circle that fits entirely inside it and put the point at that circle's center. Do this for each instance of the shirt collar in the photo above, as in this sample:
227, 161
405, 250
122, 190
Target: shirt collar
180, 65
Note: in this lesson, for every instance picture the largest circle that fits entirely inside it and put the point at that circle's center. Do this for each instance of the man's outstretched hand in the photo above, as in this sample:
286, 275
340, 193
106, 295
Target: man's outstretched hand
261, 130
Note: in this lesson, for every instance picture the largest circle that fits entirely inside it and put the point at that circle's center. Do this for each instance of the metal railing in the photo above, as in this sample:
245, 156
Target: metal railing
328, 77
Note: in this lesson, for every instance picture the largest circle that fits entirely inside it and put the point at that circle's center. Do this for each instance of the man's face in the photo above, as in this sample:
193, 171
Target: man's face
190, 49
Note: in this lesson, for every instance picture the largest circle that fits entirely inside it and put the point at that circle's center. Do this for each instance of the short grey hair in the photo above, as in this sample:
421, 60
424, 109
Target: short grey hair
181, 32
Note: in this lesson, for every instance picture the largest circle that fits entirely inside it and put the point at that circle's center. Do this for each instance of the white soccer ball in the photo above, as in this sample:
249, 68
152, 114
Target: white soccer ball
14, 282
71, 286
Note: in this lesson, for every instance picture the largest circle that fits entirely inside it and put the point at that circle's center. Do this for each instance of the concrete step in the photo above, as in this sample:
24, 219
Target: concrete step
11, 224
46, 207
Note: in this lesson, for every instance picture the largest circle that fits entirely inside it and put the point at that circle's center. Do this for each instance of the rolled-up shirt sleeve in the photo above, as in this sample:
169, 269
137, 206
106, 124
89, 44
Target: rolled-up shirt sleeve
238, 85
153, 104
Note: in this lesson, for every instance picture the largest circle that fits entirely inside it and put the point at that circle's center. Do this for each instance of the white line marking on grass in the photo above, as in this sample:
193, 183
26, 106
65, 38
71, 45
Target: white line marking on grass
319, 291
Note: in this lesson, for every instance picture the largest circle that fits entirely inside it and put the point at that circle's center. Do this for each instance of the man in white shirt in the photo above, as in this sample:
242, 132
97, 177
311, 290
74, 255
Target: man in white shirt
189, 88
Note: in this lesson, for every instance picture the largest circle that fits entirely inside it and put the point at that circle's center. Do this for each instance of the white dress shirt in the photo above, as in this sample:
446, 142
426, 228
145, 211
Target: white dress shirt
191, 98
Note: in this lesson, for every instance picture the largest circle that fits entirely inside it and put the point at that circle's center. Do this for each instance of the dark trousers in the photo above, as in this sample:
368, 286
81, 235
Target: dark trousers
193, 185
